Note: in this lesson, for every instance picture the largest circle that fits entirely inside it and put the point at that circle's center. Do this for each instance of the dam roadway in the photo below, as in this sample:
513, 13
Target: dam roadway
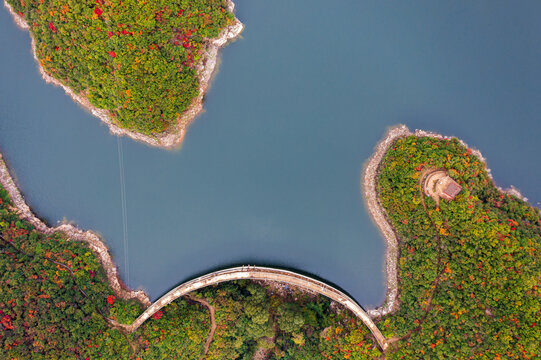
265, 274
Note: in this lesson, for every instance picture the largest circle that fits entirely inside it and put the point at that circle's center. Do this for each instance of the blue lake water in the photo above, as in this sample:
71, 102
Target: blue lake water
270, 173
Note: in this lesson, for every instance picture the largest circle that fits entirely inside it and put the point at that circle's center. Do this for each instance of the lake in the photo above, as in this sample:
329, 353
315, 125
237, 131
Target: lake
270, 173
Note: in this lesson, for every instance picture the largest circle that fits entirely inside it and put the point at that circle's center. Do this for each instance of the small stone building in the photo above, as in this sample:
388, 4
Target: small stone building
439, 185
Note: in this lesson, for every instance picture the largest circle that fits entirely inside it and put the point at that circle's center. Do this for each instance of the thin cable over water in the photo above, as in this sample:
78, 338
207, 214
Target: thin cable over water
124, 209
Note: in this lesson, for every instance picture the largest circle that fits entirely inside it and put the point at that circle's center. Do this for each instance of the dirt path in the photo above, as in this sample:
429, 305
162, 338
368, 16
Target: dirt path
212, 311
440, 266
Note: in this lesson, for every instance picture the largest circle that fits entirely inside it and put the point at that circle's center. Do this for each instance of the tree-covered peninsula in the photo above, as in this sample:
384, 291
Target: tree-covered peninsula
138, 60
469, 270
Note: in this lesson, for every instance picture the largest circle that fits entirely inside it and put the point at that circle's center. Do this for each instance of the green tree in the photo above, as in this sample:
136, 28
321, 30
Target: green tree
290, 318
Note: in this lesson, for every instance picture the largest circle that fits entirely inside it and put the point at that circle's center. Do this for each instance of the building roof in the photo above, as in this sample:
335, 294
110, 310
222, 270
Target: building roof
452, 189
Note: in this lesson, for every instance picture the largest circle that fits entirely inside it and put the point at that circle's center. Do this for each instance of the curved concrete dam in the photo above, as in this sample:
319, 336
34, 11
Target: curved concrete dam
267, 274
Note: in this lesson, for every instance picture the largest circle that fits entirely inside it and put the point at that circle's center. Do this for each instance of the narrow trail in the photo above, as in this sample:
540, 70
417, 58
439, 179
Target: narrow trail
212, 311
440, 269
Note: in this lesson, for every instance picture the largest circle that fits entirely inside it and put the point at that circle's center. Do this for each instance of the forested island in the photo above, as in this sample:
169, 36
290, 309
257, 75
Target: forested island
468, 284
143, 67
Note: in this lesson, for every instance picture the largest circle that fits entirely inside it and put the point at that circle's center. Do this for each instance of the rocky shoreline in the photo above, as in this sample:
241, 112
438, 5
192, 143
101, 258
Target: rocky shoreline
370, 175
378, 214
205, 70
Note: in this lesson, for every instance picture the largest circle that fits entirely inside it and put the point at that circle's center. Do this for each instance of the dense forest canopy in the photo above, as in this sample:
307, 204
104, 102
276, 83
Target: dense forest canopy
469, 268
135, 58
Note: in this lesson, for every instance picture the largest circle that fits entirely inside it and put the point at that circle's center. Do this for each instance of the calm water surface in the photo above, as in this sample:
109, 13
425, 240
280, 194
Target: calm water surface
270, 173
